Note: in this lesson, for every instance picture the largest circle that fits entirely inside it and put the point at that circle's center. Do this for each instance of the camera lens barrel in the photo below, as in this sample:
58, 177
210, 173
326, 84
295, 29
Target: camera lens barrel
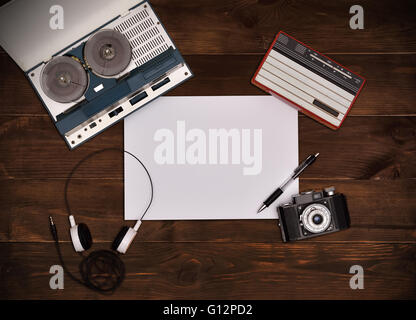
316, 218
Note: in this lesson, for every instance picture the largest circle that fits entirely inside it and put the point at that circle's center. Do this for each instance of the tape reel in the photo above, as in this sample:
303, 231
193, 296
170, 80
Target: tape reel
63, 79
107, 53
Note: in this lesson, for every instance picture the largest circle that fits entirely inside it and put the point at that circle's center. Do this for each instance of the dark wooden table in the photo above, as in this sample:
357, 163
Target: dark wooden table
372, 159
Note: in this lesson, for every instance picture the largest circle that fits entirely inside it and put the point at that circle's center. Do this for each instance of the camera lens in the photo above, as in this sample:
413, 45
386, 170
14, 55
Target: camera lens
317, 219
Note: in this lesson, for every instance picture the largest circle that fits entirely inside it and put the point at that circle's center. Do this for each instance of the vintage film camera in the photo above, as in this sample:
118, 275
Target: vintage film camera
313, 213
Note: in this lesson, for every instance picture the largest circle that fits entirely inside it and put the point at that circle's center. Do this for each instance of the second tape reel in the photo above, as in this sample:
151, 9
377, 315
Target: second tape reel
107, 53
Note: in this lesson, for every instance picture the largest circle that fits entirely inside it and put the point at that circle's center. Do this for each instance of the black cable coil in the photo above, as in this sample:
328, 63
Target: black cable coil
102, 270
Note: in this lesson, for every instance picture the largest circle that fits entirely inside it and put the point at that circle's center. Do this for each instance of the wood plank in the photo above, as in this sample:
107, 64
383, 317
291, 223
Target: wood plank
223, 271
389, 90
364, 148
25, 205
249, 26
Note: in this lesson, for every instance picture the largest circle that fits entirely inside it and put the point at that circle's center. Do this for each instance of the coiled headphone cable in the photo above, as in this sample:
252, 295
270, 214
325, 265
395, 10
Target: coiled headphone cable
102, 271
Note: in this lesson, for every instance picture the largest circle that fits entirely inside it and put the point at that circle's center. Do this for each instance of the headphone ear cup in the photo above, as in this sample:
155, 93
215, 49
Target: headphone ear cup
119, 238
84, 236
124, 239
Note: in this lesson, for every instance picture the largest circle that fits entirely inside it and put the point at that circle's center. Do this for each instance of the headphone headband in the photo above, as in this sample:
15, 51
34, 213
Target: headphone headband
91, 155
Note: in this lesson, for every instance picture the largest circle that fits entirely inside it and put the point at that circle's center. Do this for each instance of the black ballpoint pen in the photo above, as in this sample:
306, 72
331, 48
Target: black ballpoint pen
296, 173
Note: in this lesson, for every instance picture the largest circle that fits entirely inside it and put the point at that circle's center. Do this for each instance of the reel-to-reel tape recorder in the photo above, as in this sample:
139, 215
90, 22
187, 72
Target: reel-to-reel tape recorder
123, 60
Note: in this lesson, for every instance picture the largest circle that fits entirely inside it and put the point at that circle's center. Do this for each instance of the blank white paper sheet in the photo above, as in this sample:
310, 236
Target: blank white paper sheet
209, 157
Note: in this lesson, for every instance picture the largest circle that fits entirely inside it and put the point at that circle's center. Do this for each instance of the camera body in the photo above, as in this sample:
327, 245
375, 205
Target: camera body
313, 213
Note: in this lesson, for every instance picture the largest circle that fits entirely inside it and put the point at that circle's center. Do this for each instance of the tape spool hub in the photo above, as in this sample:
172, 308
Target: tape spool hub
108, 53
63, 79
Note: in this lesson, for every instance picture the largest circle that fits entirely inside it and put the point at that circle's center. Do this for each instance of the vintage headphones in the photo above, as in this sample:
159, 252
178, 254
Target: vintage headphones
106, 262
82, 240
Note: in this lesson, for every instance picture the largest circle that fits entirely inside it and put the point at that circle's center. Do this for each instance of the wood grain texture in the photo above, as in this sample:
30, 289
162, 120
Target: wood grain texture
371, 159
249, 26
364, 148
26, 205
223, 271
391, 80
